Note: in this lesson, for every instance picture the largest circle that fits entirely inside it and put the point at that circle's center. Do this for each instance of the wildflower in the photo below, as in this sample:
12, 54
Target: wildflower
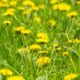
6, 72
35, 47
65, 53
42, 40
8, 13
28, 3
78, 2
53, 22
60, 7
59, 48
38, 19
72, 14
5, 1
42, 35
65, 8
70, 76
26, 12
11, 10
2, 5
41, 6
69, 41
34, 8
15, 78
43, 60
19, 28
12, 3
55, 7
43, 52
21, 8
53, 1
7, 22
76, 40
25, 31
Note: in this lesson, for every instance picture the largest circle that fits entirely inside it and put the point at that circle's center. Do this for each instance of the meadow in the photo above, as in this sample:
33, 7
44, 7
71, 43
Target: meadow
39, 39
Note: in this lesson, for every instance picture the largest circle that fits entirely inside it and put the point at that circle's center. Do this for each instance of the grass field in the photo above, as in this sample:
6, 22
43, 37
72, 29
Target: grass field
39, 39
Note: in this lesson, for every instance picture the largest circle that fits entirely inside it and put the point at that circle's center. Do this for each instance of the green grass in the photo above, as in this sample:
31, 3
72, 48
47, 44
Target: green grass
59, 65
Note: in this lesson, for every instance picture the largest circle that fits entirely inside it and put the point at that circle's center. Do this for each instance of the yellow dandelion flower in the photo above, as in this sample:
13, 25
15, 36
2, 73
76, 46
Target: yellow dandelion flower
70, 41
55, 7
78, 2
11, 10
5, 1
65, 8
35, 47
12, 3
3, 5
6, 72
7, 22
41, 6
42, 40
76, 40
53, 1
42, 35
34, 8
72, 14
60, 7
19, 28
8, 13
25, 31
53, 22
65, 53
59, 48
15, 78
70, 76
26, 12
38, 19
43, 52
43, 60
21, 8
28, 3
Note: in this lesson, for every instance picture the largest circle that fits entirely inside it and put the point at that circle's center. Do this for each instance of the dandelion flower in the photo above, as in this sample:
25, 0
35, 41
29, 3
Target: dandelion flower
42, 40
25, 31
15, 78
7, 22
43, 60
65, 53
53, 22
42, 36
35, 47
72, 14
53, 1
70, 76
43, 52
6, 72
19, 28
